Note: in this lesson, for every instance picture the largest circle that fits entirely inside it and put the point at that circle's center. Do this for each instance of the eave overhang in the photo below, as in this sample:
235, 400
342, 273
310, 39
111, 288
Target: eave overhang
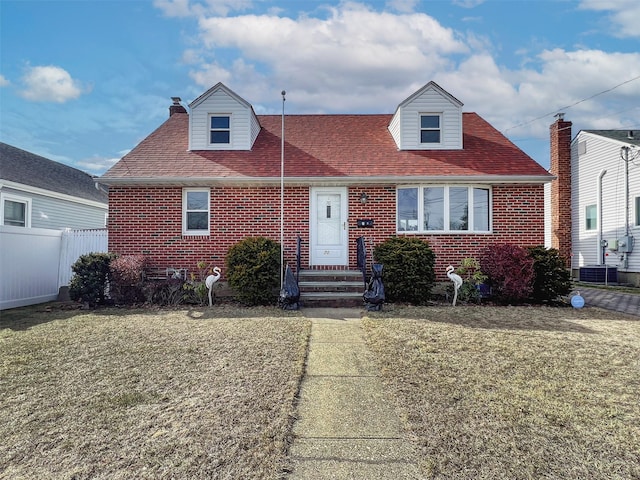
320, 181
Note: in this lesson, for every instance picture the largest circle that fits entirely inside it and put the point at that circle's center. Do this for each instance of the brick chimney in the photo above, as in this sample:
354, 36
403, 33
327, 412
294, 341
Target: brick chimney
176, 107
560, 133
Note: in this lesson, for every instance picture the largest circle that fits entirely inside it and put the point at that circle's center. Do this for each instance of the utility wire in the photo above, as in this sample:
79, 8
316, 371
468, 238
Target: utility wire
573, 104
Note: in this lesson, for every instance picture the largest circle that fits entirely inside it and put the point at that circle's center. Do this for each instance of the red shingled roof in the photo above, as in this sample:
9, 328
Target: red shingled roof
318, 146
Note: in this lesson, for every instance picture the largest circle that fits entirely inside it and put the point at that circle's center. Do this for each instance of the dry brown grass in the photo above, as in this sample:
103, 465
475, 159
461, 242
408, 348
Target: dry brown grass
515, 392
204, 393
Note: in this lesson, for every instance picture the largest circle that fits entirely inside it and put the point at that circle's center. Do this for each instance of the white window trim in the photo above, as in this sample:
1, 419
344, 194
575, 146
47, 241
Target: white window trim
209, 129
420, 129
586, 210
18, 199
446, 231
191, 233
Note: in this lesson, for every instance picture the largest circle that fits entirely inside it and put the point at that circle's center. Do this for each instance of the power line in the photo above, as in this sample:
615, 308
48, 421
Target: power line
572, 105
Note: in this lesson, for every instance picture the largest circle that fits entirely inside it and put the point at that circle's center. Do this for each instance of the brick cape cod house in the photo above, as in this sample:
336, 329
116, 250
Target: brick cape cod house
208, 178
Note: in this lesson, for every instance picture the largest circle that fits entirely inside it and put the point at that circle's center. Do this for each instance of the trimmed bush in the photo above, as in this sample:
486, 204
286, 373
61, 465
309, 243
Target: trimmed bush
510, 272
126, 279
253, 270
91, 278
552, 278
409, 273
472, 278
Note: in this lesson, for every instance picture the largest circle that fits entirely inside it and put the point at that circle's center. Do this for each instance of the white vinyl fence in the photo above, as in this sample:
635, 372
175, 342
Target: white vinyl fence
36, 262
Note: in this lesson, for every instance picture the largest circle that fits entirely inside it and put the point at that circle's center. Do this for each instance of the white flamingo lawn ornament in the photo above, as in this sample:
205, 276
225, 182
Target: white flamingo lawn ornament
457, 282
210, 280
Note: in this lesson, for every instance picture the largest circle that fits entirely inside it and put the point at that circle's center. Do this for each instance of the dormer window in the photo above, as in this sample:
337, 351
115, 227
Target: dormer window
219, 129
430, 128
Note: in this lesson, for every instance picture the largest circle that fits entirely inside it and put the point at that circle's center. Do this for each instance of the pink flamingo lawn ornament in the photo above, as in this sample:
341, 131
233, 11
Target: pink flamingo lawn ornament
457, 282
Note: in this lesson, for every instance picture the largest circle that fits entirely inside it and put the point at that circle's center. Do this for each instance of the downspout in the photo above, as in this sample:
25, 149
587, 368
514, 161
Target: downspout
599, 247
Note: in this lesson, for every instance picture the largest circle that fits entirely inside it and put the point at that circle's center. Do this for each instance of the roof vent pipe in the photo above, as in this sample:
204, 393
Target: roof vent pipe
630, 135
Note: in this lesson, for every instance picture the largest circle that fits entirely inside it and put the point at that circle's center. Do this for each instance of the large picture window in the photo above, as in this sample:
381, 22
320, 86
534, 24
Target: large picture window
16, 211
195, 211
443, 208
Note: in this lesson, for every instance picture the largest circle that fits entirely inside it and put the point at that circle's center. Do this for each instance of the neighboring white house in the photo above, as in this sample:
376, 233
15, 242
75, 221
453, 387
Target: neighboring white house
605, 202
36, 192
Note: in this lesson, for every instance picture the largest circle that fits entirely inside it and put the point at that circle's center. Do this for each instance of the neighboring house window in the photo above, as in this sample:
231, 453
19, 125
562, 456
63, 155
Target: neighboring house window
443, 208
430, 128
637, 211
219, 129
195, 211
591, 217
16, 211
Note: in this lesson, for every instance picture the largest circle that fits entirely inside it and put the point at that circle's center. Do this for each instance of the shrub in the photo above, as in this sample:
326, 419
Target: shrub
126, 278
552, 278
472, 278
510, 272
409, 273
253, 270
91, 278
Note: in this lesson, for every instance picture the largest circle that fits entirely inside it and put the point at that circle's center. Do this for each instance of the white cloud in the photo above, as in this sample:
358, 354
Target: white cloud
49, 84
328, 59
4, 82
96, 165
468, 3
624, 17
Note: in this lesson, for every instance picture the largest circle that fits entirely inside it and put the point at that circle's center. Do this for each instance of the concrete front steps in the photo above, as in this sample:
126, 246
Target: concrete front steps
331, 288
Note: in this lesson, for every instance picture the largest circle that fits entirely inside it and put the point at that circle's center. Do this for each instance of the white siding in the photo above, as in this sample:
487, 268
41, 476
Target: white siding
244, 124
407, 120
394, 128
57, 213
602, 154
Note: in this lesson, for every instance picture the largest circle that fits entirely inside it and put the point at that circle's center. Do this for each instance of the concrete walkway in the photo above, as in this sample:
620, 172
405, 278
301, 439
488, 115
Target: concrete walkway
347, 428
611, 300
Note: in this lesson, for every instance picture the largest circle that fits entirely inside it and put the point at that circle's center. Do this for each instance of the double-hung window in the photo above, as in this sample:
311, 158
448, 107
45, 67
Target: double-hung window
430, 128
195, 211
219, 129
16, 211
443, 208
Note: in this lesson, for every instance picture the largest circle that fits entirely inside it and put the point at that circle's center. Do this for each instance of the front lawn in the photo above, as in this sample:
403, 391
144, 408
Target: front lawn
116, 394
515, 392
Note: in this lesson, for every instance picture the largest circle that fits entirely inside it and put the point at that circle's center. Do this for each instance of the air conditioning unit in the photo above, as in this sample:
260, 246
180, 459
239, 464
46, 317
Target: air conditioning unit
599, 274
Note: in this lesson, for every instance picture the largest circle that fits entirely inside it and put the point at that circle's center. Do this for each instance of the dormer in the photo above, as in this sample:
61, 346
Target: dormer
430, 119
222, 120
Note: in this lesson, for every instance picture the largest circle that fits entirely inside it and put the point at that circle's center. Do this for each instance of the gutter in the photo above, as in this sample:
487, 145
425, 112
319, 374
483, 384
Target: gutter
599, 248
328, 181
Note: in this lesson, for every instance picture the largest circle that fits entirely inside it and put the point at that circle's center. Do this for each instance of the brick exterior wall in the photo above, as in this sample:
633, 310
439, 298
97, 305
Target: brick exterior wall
560, 140
148, 220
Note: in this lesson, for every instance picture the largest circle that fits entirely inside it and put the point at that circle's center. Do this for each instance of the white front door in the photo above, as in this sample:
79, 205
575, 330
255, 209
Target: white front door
328, 243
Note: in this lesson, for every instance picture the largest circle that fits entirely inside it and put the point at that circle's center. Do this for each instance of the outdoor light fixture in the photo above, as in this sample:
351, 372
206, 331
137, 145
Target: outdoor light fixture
364, 197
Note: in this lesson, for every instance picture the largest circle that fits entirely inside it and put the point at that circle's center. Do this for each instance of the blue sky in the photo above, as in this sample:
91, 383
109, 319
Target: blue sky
82, 82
